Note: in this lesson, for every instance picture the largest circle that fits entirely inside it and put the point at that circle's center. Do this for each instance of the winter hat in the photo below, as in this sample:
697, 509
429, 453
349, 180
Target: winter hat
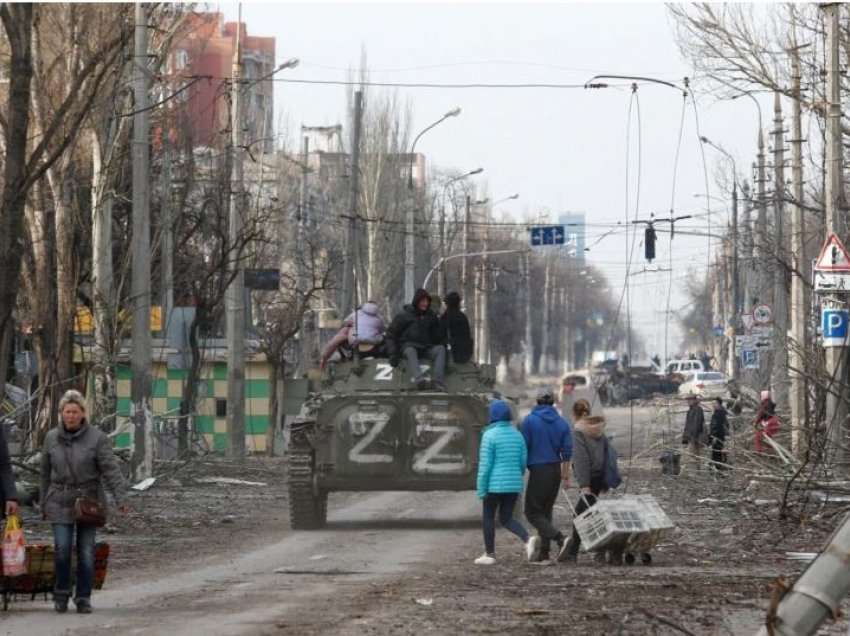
453, 300
545, 393
500, 411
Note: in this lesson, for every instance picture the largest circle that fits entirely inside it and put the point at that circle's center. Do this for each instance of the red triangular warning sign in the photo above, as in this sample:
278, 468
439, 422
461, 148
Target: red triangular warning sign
833, 256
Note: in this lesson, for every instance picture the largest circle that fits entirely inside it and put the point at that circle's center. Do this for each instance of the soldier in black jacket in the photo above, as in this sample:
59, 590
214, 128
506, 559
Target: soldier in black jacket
416, 333
456, 326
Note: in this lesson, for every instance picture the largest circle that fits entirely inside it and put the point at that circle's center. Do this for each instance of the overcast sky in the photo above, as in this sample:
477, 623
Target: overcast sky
560, 149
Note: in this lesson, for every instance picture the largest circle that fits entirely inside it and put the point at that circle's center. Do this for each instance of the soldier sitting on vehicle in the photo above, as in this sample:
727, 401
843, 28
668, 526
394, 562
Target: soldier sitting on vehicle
416, 333
363, 330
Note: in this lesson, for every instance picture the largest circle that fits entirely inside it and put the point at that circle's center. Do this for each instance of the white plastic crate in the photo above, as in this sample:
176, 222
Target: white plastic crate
608, 522
653, 513
633, 523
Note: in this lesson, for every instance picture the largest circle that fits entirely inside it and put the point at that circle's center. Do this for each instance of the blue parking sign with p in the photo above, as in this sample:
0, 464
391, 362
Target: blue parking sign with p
834, 327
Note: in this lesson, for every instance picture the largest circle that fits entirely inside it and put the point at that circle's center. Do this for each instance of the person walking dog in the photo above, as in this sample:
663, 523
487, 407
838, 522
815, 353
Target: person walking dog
76, 463
501, 466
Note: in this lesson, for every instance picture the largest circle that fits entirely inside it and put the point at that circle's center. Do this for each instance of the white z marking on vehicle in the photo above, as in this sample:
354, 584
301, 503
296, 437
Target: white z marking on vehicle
383, 372
432, 459
374, 423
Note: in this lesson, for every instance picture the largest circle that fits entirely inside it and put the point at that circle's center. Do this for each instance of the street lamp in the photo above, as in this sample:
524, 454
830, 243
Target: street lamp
513, 197
441, 278
733, 364
409, 259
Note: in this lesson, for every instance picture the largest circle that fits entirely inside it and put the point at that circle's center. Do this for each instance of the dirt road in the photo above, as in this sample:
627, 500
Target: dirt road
373, 537
224, 562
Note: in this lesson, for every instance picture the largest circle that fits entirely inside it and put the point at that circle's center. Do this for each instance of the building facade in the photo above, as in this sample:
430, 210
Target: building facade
203, 56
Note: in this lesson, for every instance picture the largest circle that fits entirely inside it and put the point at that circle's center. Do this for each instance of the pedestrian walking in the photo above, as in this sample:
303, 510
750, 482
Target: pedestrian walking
77, 462
590, 456
717, 435
694, 434
550, 448
501, 466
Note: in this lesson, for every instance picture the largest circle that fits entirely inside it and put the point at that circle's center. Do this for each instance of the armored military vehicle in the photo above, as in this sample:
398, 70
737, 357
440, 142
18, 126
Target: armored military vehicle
362, 427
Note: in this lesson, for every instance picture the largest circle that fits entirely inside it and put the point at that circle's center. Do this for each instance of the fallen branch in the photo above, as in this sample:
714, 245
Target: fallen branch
666, 621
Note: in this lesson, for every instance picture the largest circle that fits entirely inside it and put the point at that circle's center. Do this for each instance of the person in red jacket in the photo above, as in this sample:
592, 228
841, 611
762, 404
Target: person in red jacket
767, 425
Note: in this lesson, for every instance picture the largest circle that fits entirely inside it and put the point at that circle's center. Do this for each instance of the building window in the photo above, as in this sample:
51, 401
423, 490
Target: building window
181, 59
220, 407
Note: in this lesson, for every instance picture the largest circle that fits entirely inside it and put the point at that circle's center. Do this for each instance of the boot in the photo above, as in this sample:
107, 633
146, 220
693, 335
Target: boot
83, 606
60, 603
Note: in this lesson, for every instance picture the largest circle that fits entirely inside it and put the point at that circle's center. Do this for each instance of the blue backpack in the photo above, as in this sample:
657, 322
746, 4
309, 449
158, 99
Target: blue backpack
612, 470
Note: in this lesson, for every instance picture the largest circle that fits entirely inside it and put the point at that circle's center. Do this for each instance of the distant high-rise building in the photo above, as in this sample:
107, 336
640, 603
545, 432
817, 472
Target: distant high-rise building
203, 51
574, 226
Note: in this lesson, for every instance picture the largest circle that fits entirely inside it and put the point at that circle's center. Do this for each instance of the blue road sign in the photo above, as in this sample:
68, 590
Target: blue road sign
548, 235
750, 359
833, 325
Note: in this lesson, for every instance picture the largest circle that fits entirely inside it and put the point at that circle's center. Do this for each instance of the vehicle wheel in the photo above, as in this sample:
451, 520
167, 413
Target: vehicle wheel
629, 558
646, 558
307, 510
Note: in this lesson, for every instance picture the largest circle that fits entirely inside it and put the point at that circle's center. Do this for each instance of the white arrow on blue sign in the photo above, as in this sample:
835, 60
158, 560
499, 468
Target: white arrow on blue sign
548, 235
833, 324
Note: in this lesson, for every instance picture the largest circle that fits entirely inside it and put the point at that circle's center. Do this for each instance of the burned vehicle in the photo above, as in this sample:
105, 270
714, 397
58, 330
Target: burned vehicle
362, 428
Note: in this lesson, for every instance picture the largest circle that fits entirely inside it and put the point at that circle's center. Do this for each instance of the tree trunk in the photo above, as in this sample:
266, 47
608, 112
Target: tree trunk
276, 368
105, 328
190, 389
17, 23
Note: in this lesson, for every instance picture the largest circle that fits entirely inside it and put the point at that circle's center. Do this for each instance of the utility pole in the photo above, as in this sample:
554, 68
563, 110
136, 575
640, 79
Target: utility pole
762, 258
779, 371
735, 313
529, 345
235, 295
483, 317
441, 275
306, 335
836, 404
142, 463
747, 243
545, 343
167, 239
464, 274
349, 299
796, 362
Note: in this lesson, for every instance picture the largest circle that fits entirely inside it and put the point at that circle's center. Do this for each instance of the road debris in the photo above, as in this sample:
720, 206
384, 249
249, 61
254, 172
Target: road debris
144, 485
230, 481
427, 602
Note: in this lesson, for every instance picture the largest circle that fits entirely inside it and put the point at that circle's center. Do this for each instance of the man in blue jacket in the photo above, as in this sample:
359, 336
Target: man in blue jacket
550, 448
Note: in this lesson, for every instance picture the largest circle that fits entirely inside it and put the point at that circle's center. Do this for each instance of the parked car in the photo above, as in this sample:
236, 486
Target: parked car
705, 384
576, 385
683, 367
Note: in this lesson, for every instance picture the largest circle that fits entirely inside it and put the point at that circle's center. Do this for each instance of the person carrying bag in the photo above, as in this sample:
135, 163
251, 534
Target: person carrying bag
76, 463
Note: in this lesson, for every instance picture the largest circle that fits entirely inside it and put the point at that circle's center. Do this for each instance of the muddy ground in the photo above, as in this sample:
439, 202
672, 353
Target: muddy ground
205, 558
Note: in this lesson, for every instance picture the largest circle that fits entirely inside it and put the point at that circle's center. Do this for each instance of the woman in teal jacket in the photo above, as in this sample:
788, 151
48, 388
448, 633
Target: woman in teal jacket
501, 465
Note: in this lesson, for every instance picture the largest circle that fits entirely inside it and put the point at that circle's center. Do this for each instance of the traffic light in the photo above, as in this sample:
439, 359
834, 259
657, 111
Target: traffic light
649, 243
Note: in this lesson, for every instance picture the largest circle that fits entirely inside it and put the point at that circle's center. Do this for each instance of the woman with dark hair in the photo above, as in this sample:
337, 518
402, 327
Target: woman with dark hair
456, 327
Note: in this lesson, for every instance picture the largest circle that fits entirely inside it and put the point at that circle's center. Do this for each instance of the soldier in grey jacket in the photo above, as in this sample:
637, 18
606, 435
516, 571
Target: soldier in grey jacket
76, 461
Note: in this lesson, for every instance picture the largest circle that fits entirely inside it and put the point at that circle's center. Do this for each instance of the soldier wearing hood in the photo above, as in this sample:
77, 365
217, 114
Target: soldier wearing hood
415, 333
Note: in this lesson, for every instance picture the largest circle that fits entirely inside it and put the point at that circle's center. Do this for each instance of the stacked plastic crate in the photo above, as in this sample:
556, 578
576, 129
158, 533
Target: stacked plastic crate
633, 523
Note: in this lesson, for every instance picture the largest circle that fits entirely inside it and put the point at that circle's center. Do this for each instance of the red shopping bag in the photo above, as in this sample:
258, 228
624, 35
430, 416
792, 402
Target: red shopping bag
14, 548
